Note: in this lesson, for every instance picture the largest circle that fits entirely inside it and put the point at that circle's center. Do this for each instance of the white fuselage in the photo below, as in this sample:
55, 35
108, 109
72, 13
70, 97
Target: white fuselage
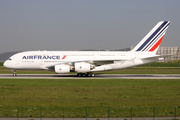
46, 60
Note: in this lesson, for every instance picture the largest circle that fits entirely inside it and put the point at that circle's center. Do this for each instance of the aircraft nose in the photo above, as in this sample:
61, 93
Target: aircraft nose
6, 64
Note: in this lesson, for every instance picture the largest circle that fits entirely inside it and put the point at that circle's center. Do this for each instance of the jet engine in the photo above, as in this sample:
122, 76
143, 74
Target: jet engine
83, 67
60, 69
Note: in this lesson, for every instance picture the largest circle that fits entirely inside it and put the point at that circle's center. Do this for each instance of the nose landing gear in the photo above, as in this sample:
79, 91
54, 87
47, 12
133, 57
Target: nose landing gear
14, 73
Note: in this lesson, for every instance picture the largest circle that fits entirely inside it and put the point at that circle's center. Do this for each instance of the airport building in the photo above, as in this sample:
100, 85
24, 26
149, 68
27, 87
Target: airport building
175, 51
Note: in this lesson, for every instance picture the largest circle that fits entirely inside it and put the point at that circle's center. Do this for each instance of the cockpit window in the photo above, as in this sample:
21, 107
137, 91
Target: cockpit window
9, 59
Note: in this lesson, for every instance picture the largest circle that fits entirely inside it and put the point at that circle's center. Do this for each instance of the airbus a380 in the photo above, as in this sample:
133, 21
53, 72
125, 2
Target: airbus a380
86, 62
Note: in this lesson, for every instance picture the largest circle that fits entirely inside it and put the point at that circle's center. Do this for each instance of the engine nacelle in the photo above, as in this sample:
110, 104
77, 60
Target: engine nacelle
83, 67
60, 69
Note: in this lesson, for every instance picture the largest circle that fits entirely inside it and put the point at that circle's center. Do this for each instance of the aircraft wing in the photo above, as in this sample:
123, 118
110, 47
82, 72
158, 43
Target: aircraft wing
94, 62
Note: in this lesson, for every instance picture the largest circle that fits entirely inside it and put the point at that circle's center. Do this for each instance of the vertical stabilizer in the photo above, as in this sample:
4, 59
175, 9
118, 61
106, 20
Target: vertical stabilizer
152, 41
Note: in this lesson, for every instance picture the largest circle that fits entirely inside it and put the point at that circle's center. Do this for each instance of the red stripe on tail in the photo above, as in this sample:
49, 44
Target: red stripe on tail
156, 45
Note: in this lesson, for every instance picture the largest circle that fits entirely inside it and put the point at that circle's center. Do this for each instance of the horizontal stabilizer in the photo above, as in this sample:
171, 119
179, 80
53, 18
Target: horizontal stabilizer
156, 56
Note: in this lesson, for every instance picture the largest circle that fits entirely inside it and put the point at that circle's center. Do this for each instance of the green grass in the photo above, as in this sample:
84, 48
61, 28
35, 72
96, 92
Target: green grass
1, 63
29, 95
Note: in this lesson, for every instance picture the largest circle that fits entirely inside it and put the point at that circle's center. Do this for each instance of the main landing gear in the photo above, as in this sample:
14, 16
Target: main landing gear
14, 73
85, 74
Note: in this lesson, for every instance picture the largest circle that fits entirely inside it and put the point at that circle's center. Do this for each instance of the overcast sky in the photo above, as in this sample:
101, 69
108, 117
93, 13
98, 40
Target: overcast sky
84, 24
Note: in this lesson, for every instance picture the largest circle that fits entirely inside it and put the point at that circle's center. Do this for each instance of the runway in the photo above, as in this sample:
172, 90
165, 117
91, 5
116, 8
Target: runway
97, 76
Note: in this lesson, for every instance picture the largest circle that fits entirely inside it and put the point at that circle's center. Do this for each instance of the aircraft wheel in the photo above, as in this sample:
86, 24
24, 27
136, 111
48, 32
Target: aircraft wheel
90, 74
14, 74
84, 74
79, 74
